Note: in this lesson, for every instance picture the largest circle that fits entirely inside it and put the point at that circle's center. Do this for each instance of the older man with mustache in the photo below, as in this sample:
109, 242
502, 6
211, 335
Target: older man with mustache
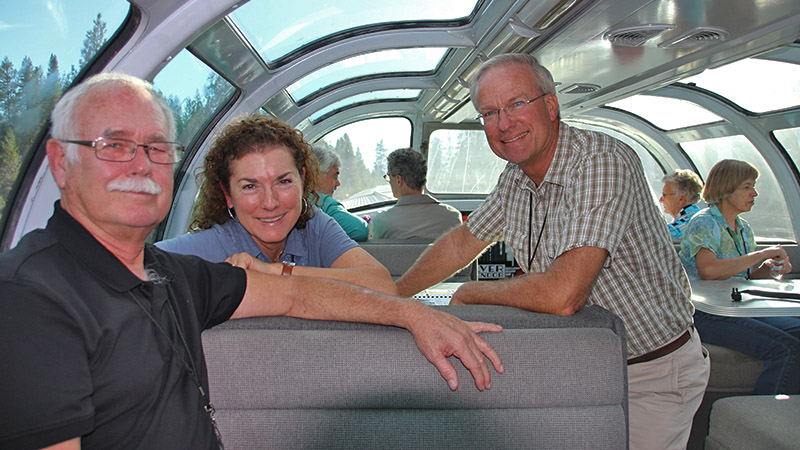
101, 331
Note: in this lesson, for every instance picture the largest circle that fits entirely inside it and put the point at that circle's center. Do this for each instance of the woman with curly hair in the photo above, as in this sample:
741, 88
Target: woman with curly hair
257, 192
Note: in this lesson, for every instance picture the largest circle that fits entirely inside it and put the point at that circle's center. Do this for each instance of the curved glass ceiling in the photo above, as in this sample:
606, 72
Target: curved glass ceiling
665, 112
388, 94
277, 30
757, 85
410, 60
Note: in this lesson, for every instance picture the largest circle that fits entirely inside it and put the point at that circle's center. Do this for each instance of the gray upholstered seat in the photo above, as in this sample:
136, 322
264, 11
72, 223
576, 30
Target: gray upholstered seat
397, 255
754, 422
290, 383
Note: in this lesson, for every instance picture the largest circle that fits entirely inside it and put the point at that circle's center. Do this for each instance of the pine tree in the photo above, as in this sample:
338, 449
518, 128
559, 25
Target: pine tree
8, 92
29, 97
69, 76
9, 164
379, 167
51, 90
174, 103
95, 38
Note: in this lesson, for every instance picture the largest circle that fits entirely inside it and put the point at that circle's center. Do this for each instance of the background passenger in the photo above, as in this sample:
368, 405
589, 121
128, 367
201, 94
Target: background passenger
329, 164
415, 215
257, 184
681, 191
717, 245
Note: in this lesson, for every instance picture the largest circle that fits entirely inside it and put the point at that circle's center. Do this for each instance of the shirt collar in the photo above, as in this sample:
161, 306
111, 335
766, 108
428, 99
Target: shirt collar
717, 214
557, 173
294, 251
90, 253
687, 210
415, 199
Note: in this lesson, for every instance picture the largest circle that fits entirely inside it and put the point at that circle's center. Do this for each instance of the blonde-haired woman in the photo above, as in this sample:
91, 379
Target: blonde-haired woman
717, 245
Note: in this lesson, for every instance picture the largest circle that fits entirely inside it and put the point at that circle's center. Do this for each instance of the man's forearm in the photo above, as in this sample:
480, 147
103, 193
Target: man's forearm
319, 299
437, 335
562, 290
371, 277
449, 254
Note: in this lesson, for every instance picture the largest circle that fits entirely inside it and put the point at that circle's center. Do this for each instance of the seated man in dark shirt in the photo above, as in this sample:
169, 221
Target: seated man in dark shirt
101, 331
415, 215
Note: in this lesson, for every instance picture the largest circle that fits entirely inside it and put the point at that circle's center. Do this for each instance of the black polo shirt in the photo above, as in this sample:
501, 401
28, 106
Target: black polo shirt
79, 357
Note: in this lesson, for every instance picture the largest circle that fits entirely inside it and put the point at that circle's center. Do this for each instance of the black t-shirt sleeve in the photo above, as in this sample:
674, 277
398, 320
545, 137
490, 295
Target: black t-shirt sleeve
226, 288
216, 289
45, 380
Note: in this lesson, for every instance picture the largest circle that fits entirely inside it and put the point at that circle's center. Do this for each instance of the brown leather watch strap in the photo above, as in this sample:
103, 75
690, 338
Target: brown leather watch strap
287, 269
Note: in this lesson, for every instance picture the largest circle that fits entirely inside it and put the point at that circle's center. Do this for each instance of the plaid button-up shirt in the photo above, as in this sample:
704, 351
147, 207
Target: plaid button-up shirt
595, 194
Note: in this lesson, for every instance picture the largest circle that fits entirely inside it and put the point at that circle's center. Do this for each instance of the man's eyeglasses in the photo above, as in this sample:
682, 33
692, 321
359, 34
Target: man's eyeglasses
492, 116
124, 150
387, 177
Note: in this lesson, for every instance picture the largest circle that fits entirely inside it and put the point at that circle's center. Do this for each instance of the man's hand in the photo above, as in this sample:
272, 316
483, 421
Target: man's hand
439, 335
248, 262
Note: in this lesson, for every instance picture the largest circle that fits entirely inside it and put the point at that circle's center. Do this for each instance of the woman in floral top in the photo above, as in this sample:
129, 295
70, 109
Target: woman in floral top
717, 245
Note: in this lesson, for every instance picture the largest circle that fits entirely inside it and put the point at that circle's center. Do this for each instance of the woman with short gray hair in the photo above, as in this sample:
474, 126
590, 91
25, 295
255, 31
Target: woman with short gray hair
329, 164
678, 196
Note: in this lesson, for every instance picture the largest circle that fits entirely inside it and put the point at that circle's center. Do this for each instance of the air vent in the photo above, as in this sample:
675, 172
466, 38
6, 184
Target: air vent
580, 88
635, 36
697, 37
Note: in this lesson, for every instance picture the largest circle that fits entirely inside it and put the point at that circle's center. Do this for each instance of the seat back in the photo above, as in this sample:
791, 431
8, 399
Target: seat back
398, 255
292, 383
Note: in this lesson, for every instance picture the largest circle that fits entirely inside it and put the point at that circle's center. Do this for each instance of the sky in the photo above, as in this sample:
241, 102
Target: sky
37, 28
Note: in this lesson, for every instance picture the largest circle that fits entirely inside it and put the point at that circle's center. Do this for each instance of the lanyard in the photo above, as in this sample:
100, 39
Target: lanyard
189, 365
530, 230
736, 244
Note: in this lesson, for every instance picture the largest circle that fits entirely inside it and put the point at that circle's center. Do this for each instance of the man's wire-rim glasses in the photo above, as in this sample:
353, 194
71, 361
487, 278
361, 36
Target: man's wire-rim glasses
493, 115
124, 150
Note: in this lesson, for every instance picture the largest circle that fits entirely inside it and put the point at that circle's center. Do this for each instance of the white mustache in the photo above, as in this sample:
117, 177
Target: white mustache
137, 185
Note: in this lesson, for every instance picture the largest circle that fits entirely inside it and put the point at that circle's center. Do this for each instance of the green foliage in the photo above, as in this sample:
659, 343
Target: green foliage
9, 164
95, 38
379, 166
193, 113
27, 95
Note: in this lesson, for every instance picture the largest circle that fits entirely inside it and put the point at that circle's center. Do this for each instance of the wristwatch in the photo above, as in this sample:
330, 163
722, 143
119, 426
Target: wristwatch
287, 268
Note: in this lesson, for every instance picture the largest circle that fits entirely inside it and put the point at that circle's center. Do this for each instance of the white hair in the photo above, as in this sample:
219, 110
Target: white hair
63, 115
326, 158
542, 76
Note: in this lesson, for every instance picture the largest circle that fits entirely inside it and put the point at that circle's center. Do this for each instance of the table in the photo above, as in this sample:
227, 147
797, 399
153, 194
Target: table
714, 297
709, 296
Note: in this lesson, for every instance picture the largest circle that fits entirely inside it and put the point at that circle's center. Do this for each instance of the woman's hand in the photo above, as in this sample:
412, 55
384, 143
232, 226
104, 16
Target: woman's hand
248, 262
777, 260
775, 253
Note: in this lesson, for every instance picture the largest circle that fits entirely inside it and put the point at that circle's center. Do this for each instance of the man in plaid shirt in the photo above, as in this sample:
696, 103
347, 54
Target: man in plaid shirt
575, 208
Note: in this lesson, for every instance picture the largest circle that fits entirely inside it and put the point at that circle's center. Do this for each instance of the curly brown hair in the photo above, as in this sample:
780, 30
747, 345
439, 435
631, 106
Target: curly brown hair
247, 134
